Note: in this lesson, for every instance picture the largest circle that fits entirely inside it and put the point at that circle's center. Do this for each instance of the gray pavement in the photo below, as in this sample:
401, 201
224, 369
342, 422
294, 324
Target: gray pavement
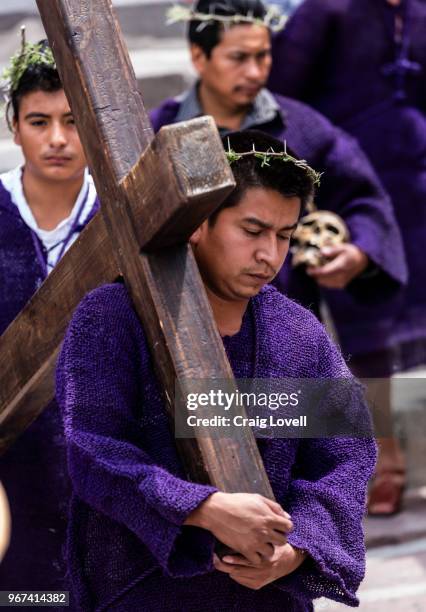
395, 581
405, 527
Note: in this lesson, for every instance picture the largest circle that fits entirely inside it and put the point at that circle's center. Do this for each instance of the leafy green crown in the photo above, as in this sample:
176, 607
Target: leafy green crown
30, 54
274, 19
266, 157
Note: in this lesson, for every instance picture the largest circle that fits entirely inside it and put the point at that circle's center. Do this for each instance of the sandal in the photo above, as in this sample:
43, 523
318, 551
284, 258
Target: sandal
386, 490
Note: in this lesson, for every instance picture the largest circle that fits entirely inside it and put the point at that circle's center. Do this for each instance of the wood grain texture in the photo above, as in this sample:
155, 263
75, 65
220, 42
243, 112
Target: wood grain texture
165, 287
184, 169
28, 344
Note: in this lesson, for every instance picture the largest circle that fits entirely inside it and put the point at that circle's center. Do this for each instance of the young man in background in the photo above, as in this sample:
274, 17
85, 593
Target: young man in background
44, 205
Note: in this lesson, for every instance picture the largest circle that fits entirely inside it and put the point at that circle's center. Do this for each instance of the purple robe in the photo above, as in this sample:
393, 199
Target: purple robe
33, 471
350, 188
341, 57
127, 546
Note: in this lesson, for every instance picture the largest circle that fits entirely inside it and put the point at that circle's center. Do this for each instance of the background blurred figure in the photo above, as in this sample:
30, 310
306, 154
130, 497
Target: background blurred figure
44, 205
362, 64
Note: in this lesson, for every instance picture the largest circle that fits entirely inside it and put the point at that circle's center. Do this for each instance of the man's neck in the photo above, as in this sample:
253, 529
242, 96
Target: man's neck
50, 202
228, 315
225, 117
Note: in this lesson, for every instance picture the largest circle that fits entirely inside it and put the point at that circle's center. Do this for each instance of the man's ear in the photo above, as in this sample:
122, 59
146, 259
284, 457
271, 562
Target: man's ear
197, 235
198, 58
16, 136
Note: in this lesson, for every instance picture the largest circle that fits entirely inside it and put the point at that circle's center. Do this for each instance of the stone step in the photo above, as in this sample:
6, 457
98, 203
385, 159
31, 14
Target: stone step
137, 17
409, 409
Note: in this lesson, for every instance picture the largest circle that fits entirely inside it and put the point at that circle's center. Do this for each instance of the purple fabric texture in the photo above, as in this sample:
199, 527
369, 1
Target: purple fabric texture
350, 188
342, 57
127, 547
33, 471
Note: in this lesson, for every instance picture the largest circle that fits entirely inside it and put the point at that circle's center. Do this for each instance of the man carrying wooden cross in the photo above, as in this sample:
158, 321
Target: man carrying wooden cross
44, 205
142, 536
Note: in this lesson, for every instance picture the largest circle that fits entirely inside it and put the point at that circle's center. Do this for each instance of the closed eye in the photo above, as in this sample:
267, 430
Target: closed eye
252, 232
238, 57
263, 54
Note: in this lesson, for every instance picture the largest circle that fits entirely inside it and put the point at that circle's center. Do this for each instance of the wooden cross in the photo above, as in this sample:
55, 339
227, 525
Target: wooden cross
154, 193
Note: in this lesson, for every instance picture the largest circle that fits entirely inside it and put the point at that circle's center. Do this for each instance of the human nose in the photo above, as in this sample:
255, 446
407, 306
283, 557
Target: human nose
57, 135
269, 253
254, 69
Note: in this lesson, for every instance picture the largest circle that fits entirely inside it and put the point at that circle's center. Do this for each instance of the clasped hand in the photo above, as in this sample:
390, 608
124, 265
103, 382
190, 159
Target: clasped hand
256, 529
284, 560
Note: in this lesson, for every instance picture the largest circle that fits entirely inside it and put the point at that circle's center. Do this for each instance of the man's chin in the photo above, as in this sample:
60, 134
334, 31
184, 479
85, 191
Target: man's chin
245, 99
248, 292
61, 173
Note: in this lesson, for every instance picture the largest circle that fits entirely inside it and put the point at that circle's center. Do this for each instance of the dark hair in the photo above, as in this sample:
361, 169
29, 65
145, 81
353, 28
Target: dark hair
208, 34
286, 178
37, 77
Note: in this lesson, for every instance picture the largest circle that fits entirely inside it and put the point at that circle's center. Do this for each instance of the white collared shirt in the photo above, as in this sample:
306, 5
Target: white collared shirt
12, 182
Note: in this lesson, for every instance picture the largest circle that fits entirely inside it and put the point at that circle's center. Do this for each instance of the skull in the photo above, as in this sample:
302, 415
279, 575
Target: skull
315, 231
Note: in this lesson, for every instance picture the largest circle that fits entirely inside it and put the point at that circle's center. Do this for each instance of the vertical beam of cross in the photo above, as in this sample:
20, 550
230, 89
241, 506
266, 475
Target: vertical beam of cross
165, 286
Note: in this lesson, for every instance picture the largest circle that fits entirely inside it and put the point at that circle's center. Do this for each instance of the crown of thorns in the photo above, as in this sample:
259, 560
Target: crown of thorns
273, 19
30, 54
266, 157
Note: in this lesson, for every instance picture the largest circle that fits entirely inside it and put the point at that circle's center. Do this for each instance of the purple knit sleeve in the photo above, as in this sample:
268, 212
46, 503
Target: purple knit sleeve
97, 388
326, 500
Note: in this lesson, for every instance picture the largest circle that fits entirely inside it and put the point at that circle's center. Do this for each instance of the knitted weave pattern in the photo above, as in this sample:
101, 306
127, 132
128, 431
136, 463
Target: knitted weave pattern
127, 546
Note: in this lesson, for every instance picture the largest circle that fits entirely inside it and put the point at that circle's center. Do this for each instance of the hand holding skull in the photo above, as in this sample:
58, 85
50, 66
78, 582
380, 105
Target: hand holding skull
345, 262
321, 244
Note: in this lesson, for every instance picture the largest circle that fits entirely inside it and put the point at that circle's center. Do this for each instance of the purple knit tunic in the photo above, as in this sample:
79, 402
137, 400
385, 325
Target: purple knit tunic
350, 188
33, 471
127, 547
341, 57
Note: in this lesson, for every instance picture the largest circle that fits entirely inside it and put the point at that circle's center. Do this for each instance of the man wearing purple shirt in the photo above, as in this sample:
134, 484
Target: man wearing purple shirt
44, 205
141, 536
362, 64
